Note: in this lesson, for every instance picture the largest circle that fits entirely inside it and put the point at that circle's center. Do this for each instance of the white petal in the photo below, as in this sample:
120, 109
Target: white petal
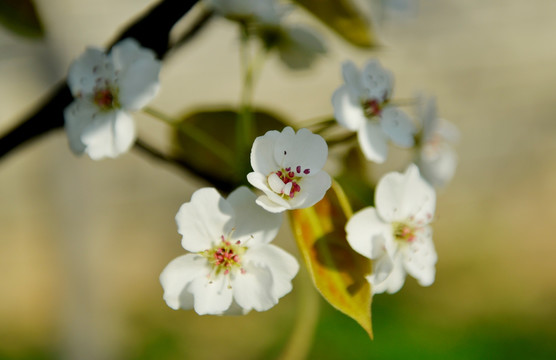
382, 268
313, 189
372, 140
204, 219
439, 169
77, 116
251, 222
276, 184
353, 80
377, 81
262, 153
398, 126
85, 71
108, 134
347, 110
419, 257
402, 197
269, 205
283, 266
212, 296
366, 233
429, 118
127, 52
139, 84
177, 275
253, 289
382, 281
304, 149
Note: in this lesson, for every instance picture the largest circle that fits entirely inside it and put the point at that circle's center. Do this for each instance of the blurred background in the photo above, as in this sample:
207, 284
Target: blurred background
83, 242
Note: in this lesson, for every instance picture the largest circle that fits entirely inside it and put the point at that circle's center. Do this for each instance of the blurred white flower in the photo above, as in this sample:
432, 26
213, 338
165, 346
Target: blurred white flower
106, 88
240, 10
362, 104
436, 158
287, 168
396, 234
231, 267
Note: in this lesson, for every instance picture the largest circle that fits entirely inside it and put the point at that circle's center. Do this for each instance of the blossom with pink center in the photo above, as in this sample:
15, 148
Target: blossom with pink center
362, 104
436, 157
288, 169
231, 266
396, 233
106, 89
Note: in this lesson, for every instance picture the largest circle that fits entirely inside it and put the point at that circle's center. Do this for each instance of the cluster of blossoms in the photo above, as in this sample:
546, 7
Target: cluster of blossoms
231, 267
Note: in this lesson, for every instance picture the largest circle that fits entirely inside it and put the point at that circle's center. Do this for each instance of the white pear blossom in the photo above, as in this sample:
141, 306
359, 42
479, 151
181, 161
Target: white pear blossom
362, 104
240, 10
288, 169
231, 267
106, 88
396, 233
436, 157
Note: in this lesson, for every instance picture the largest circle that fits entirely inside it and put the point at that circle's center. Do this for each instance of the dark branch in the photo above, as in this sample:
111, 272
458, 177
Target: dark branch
151, 30
225, 186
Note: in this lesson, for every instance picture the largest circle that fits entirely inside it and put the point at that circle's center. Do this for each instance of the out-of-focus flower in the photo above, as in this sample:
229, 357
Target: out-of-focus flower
287, 168
396, 234
436, 158
231, 267
106, 88
241, 10
362, 104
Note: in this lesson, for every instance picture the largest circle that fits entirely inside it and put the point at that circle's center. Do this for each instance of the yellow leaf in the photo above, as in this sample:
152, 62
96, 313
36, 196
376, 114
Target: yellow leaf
336, 269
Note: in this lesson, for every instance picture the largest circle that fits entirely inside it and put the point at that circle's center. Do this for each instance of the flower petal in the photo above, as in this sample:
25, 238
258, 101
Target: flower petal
203, 220
177, 275
398, 126
366, 233
212, 295
77, 116
252, 223
372, 140
402, 197
438, 167
253, 288
381, 281
86, 70
267, 204
282, 266
108, 134
378, 81
303, 149
313, 189
127, 52
352, 78
262, 153
347, 111
419, 257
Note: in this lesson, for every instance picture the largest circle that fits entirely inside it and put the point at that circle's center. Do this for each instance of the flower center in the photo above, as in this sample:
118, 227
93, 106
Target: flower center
105, 99
225, 256
372, 107
404, 232
286, 181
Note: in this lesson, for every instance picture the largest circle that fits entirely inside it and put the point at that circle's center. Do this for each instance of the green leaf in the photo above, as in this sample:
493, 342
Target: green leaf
338, 272
342, 17
21, 17
220, 124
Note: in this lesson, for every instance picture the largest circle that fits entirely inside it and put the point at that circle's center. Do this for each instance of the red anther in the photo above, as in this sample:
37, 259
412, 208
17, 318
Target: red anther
227, 271
238, 242
236, 258
279, 173
288, 169
306, 171
242, 270
298, 169
291, 174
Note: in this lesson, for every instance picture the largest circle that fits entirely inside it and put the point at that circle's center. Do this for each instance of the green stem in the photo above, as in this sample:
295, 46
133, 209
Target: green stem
301, 338
196, 134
